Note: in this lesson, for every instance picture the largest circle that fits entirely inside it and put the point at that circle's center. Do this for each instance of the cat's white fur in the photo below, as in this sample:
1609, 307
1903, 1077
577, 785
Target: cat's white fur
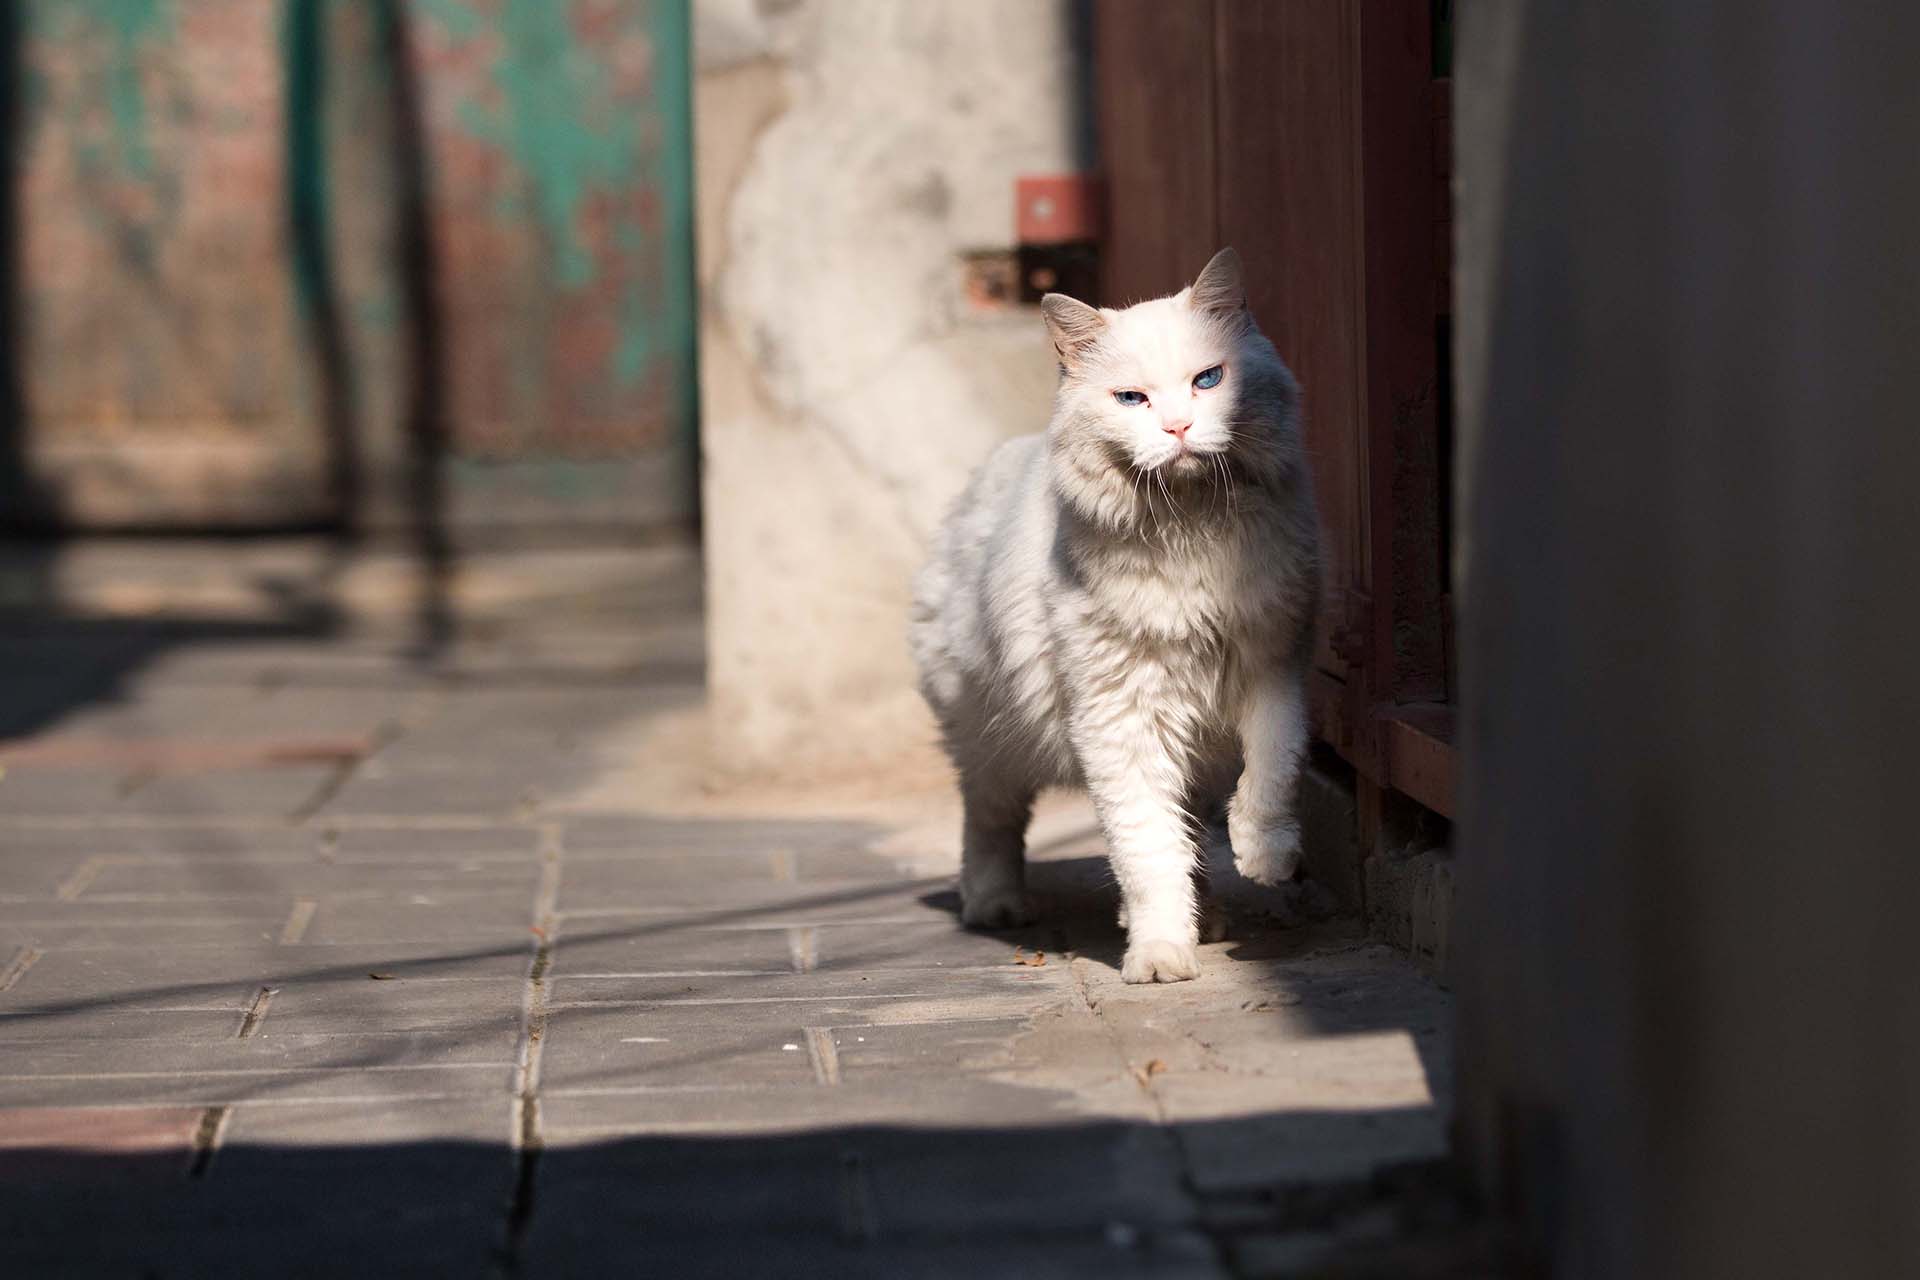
1126, 603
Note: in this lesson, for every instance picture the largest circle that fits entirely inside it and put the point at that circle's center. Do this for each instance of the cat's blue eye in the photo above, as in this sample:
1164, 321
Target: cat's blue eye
1130, 397
1207, 379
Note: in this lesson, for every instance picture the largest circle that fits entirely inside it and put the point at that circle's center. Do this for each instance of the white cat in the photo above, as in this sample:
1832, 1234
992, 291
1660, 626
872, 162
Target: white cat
1126, 603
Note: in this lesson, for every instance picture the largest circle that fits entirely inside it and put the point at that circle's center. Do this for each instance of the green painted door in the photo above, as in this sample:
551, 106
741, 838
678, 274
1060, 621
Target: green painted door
268, 254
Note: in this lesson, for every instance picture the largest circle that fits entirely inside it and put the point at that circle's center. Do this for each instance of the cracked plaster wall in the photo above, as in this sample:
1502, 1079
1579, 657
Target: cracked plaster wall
848, 153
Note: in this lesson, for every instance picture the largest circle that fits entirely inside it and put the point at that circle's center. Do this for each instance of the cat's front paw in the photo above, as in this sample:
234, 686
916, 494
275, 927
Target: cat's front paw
1266, 852
996, 908
1160, 960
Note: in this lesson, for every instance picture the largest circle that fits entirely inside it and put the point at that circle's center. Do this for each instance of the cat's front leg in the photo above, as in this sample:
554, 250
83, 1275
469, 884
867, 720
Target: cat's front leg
1273, 738
1137, 787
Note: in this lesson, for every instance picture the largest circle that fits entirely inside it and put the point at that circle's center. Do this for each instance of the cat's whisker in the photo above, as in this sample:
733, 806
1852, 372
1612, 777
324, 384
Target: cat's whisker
1158, 527
1167, 492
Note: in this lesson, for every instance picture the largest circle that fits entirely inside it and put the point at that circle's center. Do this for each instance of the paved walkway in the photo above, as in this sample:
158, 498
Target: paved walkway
320, 956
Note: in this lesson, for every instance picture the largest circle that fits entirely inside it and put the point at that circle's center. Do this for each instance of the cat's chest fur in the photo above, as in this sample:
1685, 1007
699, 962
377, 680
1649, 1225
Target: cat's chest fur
1193, 594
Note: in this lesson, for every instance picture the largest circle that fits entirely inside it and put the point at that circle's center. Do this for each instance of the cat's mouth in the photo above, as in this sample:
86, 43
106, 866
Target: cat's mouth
1185, 461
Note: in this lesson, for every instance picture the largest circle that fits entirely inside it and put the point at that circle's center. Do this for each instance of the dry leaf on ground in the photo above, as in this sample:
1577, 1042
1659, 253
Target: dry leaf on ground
1147, 1071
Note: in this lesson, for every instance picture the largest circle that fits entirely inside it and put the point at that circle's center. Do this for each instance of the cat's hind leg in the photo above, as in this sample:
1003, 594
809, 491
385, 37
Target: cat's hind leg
1214, 775
1212, 916
993, 850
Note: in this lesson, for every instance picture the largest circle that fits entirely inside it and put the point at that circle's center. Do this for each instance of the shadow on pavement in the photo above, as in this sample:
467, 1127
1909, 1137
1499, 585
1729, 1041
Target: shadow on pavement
1067, 1199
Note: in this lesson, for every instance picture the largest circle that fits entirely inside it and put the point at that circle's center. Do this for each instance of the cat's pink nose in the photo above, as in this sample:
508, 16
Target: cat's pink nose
1178, 430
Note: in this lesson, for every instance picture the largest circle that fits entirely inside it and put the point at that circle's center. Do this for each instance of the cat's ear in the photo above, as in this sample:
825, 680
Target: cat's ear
1073, 325
1218, 288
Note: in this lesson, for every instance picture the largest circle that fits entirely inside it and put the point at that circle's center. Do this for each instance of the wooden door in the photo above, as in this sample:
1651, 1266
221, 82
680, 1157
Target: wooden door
1302, 133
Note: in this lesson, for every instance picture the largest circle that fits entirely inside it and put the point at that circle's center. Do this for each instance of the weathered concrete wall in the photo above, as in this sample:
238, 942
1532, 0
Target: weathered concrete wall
849, 154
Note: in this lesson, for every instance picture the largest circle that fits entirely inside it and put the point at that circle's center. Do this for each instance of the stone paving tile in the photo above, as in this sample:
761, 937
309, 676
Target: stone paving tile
780, 1042
274, 664
1092, 1174
373, 844
590, 878
579, 1245
941, 1047
141, 837
137, 978
778, 1186
550, 712
848, 991
236, 711
490, 796
216, 1011
365, 1185
184, 922
457, 917
127, 981
1252, 1152
670, 877
876, 1201
728, 1112
612, 835
276, 1085
34, 875
111, 1022
376, 1126
319, 1221
81, 924
491, 1005
858, 864
659, 1047
277, 792
616, 944
110, 1129
624, 946
936, 943
205, 879
264, 1053
813, 902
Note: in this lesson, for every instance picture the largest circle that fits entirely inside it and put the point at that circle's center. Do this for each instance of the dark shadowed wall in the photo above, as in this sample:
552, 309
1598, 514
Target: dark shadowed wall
1690, 323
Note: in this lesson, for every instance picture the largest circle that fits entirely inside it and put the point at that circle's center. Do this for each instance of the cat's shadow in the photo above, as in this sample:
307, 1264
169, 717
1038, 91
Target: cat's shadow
1076, 909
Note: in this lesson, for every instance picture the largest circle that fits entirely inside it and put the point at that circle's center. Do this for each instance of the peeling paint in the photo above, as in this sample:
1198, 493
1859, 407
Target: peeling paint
671, 27
560, 106
221, 169
555, 119
129, 26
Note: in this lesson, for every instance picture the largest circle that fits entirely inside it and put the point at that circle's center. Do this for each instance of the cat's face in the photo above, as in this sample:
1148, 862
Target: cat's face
1157, 384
